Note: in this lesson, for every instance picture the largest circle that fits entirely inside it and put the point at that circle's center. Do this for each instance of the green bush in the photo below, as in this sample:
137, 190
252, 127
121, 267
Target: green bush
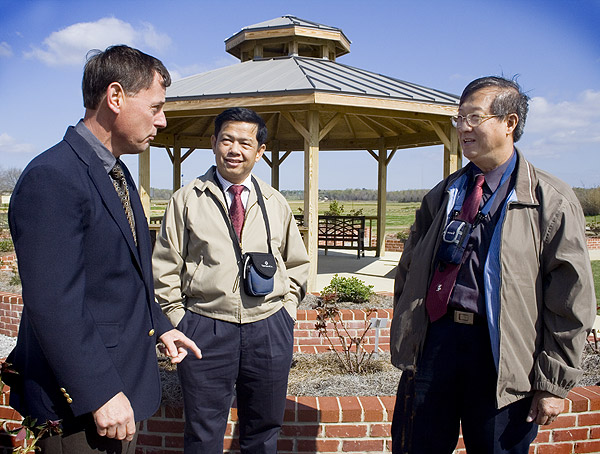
6, 245
335, 209
589, 199
347, 289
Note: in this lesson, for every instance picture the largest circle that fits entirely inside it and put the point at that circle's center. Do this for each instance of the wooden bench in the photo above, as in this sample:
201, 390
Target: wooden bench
342, 232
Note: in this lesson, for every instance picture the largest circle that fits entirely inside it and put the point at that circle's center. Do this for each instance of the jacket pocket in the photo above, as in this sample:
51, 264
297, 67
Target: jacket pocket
110, 333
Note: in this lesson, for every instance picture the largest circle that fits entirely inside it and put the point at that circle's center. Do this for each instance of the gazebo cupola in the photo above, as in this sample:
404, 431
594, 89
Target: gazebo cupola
288, 36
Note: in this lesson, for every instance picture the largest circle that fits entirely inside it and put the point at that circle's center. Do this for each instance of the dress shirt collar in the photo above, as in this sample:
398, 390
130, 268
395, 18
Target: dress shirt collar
108, 159
225, 184
493, 177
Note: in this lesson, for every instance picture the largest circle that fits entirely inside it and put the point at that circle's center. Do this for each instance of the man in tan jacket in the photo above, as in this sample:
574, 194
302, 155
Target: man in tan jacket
246, 340
489, 337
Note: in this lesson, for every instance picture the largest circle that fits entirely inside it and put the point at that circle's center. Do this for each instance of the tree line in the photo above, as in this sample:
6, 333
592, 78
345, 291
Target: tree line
345, 195
588, 197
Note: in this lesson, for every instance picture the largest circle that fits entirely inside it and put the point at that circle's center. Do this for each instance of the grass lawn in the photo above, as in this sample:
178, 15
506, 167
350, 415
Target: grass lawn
400, 216
596, 273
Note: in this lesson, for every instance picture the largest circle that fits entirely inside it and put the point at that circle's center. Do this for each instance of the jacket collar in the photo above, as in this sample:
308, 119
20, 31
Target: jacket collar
107, 192
526, 181
207, 182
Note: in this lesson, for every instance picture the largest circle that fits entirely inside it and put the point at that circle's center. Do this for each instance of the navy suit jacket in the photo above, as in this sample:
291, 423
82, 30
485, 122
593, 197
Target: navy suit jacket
90, 321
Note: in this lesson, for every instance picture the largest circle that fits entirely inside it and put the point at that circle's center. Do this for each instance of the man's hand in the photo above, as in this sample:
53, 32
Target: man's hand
115, 418
176, 345
545, 408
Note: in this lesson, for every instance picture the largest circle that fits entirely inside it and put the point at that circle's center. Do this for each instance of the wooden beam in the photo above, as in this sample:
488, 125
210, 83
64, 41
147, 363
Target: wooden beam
311, 195
381, 198
275, 164
285, 155
441, 134
187, 154
375, 156
144, 180
169, 153
297, 126
330, 125
452, 154
391, 156
176, 167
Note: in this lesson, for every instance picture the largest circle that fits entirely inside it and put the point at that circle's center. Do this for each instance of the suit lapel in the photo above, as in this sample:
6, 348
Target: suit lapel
141, 226
105, 188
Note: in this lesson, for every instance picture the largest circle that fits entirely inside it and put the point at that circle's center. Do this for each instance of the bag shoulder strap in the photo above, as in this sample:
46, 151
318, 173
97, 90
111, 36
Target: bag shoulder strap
263, 208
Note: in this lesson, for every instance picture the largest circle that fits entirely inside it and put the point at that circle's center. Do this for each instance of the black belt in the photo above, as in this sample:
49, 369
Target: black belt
465, 318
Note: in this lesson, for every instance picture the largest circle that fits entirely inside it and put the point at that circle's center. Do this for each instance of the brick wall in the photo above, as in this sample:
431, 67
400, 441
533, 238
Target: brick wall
350, 424
11, 306
7, 262
307, 340
359, 424
593, 243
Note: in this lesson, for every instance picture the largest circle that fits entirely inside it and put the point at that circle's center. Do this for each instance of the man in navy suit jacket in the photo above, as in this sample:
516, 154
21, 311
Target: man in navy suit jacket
86, 347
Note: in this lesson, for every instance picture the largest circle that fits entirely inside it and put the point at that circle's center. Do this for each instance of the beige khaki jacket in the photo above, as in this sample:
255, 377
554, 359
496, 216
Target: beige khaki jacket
195, 263
546, 295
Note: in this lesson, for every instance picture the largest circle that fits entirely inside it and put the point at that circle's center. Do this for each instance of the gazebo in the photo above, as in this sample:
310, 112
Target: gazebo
289, 74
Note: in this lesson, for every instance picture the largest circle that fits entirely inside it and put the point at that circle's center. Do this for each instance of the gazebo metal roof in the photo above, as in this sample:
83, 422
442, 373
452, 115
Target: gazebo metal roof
289, 74
292, 74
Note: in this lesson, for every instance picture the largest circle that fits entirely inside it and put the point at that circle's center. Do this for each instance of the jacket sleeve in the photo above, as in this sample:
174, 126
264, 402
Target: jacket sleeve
48, 215
569, 304
423, 220
168, 261
296, 263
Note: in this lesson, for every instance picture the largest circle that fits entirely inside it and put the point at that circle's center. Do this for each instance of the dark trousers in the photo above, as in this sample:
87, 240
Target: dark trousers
255, 360
454, 384
85, 441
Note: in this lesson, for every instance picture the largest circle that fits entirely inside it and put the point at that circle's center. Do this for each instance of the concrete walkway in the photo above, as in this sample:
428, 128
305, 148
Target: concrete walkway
376, 271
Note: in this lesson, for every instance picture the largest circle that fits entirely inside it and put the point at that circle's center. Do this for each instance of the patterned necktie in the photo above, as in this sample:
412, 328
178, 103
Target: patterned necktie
120, 184
236, 210
444, 277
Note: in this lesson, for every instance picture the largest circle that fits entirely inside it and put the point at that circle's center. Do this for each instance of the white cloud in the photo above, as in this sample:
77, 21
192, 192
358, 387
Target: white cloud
553, 128
5, 49
9, 144
179, 72
70, 45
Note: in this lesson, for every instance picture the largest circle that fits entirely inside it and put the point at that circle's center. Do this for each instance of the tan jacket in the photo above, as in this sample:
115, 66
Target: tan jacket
546, 294
195, 262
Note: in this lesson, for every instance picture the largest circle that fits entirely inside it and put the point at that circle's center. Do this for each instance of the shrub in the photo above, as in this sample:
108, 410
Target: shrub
353, 357
6, 245
348, 289
589, 200
335, 209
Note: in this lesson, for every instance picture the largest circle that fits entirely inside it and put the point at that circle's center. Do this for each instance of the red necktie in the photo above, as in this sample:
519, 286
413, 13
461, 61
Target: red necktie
236, 210
443, 280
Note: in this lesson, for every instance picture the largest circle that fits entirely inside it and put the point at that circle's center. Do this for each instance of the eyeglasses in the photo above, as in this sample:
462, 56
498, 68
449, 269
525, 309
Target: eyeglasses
473, 120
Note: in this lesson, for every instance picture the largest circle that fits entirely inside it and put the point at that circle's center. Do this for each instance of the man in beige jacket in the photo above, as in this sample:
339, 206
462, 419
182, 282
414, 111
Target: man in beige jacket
246, 340
503, 350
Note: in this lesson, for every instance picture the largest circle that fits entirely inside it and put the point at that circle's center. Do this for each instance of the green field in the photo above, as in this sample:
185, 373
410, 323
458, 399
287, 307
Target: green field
400, 216
596, 273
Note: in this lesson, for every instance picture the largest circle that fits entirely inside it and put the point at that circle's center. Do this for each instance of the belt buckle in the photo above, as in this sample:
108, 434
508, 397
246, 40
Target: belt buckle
466, 318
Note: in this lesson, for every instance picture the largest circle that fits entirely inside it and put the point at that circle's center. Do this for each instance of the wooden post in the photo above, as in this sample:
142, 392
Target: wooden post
452, 154
144, 180
275, 164
311, 194
381, 198
176, 166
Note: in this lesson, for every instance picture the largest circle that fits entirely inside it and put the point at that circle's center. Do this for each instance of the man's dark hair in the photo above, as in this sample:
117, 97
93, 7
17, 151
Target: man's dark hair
131, 68
245, 115
510, 99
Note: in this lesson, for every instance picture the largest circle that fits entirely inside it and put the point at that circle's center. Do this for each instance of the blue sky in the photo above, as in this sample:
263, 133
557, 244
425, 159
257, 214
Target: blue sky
554, 47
